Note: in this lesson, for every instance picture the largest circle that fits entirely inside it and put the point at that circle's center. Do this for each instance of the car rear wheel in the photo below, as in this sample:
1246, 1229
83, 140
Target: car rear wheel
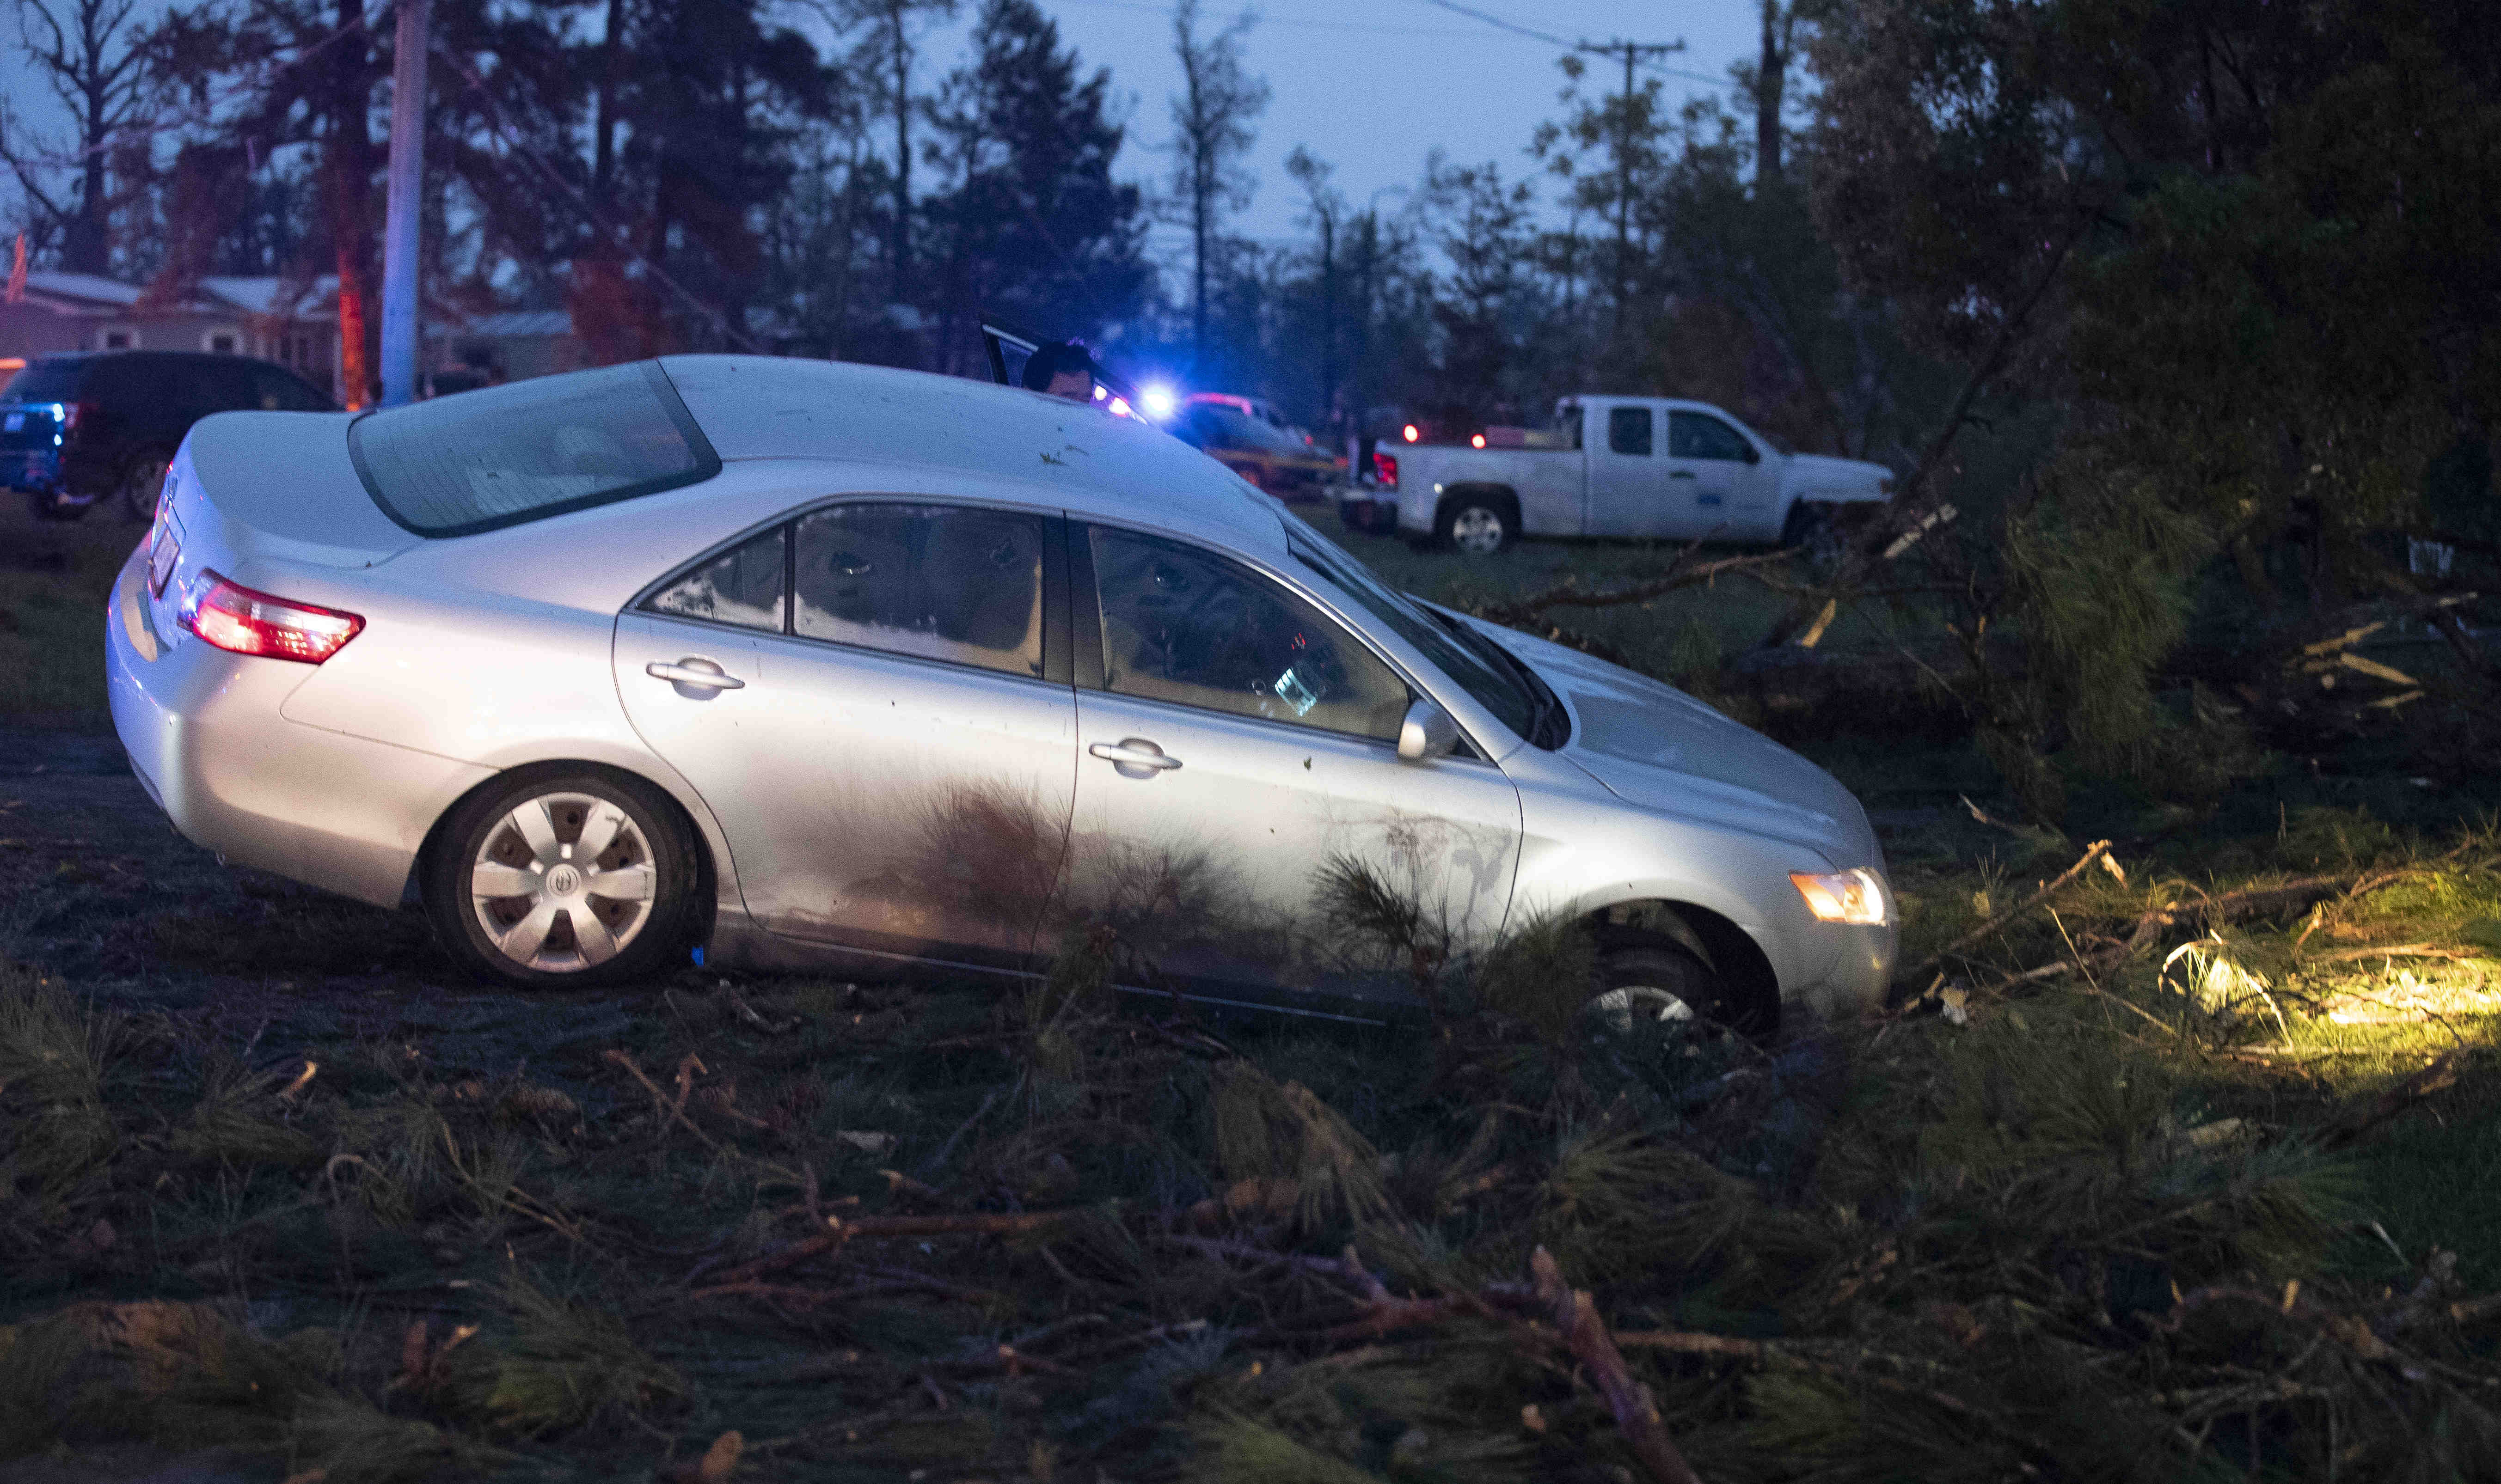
1477, 526
141, 484
562, 880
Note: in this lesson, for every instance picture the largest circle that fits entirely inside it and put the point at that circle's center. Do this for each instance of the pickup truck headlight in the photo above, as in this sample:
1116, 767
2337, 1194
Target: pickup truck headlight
1853, 897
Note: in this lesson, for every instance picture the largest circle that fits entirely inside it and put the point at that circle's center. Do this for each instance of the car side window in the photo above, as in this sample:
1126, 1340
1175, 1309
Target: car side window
936, 581
1189, 627
1700, 436
1628, 431
740, 586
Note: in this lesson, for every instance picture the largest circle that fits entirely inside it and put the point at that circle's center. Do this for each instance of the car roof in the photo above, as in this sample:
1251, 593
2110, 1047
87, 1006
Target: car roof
1087, 460
95, 357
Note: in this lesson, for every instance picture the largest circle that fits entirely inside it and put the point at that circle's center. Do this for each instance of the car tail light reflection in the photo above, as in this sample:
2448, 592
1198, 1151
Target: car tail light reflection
242, 621
1384, 468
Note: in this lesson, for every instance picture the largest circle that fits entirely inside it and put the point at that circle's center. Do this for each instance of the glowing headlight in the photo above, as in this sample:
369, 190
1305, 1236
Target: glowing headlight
1157, 402
1854, 897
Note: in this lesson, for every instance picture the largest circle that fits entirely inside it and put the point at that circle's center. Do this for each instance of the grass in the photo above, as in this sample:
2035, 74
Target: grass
54, 580
2220, 1214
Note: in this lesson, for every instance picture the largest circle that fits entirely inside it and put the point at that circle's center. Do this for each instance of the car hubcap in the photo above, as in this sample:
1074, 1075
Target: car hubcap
563, 883
1619, 1011
1477, 529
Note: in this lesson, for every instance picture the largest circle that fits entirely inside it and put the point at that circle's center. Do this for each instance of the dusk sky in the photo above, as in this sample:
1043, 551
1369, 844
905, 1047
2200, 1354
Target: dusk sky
1369, 86
1373, 85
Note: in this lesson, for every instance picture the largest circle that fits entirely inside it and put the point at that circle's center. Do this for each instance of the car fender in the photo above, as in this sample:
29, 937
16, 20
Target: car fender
1582, 852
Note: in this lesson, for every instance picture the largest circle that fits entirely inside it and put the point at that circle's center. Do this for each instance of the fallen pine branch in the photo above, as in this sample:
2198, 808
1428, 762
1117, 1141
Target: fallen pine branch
1569, 593
842, 1231
2092, 853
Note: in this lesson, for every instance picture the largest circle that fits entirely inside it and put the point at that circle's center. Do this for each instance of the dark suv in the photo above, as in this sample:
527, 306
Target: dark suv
78, 429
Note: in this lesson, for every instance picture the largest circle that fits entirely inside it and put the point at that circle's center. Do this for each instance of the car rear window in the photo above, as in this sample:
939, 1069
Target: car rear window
524, 452
43, 382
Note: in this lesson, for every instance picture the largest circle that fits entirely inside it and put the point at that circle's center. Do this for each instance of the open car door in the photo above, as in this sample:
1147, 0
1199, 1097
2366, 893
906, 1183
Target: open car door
1008, 350
1009, 346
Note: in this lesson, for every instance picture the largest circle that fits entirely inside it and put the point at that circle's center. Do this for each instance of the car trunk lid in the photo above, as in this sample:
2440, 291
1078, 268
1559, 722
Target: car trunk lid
281, 485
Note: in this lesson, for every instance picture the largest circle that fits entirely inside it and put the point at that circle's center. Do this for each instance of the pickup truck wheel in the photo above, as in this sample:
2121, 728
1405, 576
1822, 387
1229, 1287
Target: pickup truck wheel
1477, 526
1811, 532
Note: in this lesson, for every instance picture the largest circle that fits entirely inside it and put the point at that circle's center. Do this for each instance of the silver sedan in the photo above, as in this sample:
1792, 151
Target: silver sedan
789, 663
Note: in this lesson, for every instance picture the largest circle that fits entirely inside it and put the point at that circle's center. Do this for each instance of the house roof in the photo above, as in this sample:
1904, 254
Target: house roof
81, 285
270, 295
92, 294
522, 322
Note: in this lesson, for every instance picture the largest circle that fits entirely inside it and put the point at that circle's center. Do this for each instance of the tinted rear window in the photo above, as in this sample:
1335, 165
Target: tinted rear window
43, 382
506, 454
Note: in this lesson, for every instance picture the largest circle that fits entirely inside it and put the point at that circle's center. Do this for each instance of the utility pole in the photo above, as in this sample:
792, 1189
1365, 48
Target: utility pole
401, 331
1632, 52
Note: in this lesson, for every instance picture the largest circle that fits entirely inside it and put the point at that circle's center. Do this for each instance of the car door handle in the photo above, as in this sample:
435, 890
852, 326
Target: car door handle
1134, 752
700, 674
1683, 473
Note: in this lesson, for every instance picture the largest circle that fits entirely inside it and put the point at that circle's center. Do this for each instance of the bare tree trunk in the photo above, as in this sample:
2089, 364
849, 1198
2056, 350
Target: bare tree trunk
350, 168
1771, 82
603, 125
902, 151
1328, 321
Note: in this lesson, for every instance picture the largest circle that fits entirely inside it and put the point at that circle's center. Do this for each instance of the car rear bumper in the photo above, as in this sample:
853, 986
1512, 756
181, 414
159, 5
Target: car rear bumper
203, 733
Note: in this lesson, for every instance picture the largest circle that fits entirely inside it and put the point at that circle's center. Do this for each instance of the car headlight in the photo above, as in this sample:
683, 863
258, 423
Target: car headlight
1853, 897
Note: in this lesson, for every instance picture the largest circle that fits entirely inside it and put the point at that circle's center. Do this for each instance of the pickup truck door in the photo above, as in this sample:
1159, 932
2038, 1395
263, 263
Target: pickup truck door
1723, 484
1629, 488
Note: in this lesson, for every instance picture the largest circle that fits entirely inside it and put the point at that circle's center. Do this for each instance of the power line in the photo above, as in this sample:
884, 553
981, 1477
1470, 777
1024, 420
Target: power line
1515, 28
1273, 20
1553, 40
1430, 32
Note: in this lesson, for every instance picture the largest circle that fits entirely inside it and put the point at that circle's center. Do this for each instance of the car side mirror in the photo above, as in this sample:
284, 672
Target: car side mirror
1427, 733
1753, 456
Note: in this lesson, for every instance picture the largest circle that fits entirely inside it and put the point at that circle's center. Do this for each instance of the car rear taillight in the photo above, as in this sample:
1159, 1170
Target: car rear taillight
1384, 468
72, 412
242, 621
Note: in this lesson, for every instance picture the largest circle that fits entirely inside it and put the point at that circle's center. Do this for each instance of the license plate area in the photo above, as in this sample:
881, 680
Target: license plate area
164, 550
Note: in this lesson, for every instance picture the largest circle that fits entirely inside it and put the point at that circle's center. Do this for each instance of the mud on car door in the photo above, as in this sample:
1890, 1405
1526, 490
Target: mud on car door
873, 698
1235, 744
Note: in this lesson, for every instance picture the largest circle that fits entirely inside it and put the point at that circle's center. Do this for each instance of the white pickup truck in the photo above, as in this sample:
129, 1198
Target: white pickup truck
1625, 466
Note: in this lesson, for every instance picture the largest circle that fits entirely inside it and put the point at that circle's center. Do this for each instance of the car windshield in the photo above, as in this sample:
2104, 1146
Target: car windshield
505, 454
1497, 682
43, 382
1235, 429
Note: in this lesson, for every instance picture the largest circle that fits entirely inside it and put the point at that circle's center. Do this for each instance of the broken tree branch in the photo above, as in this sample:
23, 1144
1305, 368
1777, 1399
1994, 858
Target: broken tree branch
2092, 853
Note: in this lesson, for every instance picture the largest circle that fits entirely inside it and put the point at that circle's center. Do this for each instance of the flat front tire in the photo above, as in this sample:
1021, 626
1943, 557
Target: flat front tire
1477, 526
564, 880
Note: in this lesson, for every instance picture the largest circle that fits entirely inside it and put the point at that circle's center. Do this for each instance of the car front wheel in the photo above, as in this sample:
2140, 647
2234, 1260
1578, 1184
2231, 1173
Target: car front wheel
563, 879
1477, 527
1644, 988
